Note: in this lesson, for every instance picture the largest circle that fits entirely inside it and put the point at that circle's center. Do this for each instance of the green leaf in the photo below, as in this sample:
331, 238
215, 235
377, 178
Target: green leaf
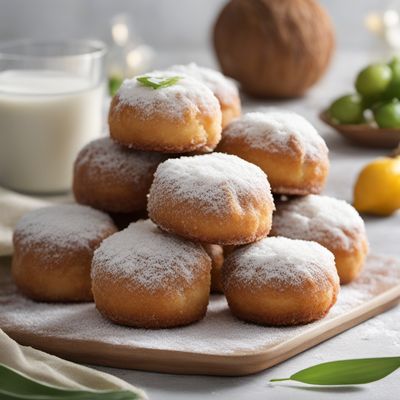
114, 84
14, 385
346, 372
158, 82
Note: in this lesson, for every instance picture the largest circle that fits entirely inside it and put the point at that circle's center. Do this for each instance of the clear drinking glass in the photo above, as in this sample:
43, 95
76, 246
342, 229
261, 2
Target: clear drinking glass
51, 98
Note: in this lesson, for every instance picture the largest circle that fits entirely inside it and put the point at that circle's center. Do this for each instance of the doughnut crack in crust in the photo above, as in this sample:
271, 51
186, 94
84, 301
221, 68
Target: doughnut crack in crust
146, 278
113, 178
214, 198
224, 89
180, 118
284, 145
53, 250
280, 281
331, 222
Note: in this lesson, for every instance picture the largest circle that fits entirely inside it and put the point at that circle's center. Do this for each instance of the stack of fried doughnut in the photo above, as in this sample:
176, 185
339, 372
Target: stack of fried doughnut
295, 158
209, 214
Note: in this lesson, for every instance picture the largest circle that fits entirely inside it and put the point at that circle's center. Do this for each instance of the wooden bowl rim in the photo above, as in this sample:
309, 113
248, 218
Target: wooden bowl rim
364, 134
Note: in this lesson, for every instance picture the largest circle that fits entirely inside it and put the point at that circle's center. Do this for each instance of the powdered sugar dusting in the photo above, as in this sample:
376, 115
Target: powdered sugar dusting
173, 102
209, 181
319, 218
223, 87
61, 227
275, 131
280, 262
148, 257
218, 333
104, 156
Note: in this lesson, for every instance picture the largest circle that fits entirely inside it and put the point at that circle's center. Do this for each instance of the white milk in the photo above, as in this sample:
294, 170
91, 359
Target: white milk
45, 119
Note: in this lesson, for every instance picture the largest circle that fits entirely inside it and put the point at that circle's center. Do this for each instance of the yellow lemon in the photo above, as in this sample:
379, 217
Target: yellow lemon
377, 189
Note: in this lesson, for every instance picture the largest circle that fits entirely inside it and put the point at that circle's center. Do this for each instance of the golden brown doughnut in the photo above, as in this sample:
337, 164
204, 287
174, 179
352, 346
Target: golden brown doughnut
280, 281
112, 178
146, 278
180, 118
216, 254
284, 145
332, 223
223, 88
213, 198
53, 250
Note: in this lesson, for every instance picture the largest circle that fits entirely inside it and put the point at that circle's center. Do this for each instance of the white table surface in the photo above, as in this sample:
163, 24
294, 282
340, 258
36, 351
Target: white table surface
379, 336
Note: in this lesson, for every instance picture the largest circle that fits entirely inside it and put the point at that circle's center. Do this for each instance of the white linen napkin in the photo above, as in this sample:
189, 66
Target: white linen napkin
55, 371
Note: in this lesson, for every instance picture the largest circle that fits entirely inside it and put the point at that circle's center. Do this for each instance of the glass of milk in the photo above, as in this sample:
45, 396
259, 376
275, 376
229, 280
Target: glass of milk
51, 98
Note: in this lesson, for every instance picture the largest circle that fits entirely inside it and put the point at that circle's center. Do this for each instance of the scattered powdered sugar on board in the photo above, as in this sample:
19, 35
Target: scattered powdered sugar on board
61, 227
147, 257
320, 218
218, 333
173, 102
281, 263
104, 157
275, 131
223, 87
209, 182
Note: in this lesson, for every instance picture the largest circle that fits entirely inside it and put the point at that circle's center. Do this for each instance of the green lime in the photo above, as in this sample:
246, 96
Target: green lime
393, 90
347, 109
388, 115
373, 80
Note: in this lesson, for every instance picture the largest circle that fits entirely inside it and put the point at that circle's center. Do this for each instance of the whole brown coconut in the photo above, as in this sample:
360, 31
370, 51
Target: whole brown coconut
274, 48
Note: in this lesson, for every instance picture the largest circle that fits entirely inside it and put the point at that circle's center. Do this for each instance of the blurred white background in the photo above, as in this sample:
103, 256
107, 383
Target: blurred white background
164, 24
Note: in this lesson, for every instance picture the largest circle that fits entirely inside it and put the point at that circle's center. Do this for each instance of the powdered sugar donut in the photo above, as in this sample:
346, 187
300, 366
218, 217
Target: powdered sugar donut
112, 178
223, 88
214, 198
216, 254
165, 112
284, 145
280, 281
53, 250
147, 278
333, 223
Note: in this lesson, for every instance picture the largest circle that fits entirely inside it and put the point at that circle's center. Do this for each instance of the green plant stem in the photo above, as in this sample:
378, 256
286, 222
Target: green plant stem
280, 380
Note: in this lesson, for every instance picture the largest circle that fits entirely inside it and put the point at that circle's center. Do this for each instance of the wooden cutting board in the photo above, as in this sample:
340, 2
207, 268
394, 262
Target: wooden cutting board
218, 345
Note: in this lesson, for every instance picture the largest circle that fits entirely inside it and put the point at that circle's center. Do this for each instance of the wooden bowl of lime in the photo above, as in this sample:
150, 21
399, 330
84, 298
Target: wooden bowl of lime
371, 116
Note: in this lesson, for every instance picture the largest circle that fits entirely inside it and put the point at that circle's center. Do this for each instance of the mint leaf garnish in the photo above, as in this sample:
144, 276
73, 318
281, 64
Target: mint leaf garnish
158, 82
